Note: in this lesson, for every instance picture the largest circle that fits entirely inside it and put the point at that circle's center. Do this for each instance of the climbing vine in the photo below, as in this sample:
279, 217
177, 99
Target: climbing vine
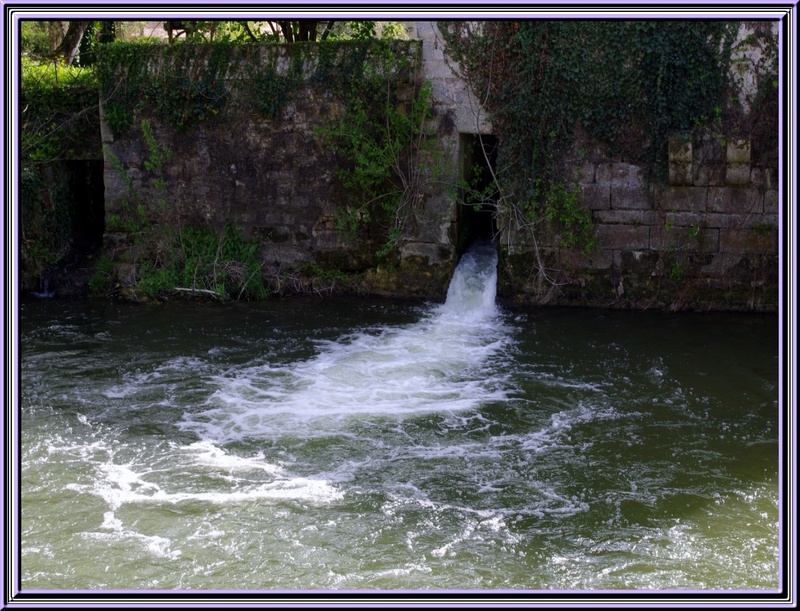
58, 110
389, 158
380, 136
628, 84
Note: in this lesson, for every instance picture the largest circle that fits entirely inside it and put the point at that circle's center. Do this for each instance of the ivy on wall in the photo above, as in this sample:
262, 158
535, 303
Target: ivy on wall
629, 84
58, 111
186, 84
378, 136
59, 120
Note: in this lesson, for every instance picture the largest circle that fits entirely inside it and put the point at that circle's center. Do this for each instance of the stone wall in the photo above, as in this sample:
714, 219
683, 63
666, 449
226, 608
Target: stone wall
708, 240
274, 179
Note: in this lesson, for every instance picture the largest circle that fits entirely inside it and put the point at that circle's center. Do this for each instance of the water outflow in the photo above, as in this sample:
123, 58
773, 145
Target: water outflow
445, 361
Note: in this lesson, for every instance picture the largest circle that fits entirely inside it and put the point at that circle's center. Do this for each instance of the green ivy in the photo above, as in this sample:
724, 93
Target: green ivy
383, 145
58, 110
629, 84
186, 83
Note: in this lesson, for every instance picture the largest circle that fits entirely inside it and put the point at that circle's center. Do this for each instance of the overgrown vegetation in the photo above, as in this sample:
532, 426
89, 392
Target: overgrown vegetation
629, 85
382, 135
58, 110
170, 258
390, 158
58, 120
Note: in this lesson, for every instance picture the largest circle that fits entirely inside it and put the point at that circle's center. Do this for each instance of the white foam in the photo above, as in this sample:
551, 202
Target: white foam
440, 363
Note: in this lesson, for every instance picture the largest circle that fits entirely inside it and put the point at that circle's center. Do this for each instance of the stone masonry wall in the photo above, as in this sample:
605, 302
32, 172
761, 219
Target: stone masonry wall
274, 179
708, 240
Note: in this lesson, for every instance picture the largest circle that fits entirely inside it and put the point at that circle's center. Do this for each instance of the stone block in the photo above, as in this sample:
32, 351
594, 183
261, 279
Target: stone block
573, 261
720, 265
738, 152
326, 240
725, 221
708, 150
734, 200
623, 237
630, 198
759, 177
684, 198
679, 151
749, 241
693, 238
680, 173
771, 202
637, 177
619, 217
737, 174
683, 219
705, 175
595, 197
614, 174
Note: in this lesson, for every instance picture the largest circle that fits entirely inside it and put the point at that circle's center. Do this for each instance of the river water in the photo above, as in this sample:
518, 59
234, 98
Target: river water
376, 445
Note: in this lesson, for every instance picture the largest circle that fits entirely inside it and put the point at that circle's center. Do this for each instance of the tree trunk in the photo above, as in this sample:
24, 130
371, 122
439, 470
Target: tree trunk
68, 49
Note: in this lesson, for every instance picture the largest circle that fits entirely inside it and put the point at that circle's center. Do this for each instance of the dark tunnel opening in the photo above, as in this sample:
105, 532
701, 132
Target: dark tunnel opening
476, 211
87, 200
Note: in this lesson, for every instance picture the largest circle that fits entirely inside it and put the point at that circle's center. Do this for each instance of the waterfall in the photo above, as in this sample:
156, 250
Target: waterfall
473, 289
441, 362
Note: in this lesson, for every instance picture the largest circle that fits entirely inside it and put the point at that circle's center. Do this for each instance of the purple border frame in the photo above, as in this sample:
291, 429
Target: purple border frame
784, 12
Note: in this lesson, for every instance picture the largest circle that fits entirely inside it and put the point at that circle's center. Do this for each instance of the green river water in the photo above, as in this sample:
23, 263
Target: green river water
348, 445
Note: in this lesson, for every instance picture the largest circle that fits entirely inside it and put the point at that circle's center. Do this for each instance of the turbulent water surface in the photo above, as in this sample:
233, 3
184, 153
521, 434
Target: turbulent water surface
355, 445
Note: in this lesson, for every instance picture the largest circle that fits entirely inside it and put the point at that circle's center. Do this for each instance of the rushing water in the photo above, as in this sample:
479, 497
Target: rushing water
354, 445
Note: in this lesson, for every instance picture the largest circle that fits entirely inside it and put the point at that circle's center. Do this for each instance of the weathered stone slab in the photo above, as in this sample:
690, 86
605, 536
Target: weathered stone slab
683, 198
595, 197
619, 217
695, 238
738, 152
737, 174
624, 237
732, 200
705, 175
683, 219
680, 173
679, 151
630, 198
573, 261
739, 221
771, 202
616, 174
749, 241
